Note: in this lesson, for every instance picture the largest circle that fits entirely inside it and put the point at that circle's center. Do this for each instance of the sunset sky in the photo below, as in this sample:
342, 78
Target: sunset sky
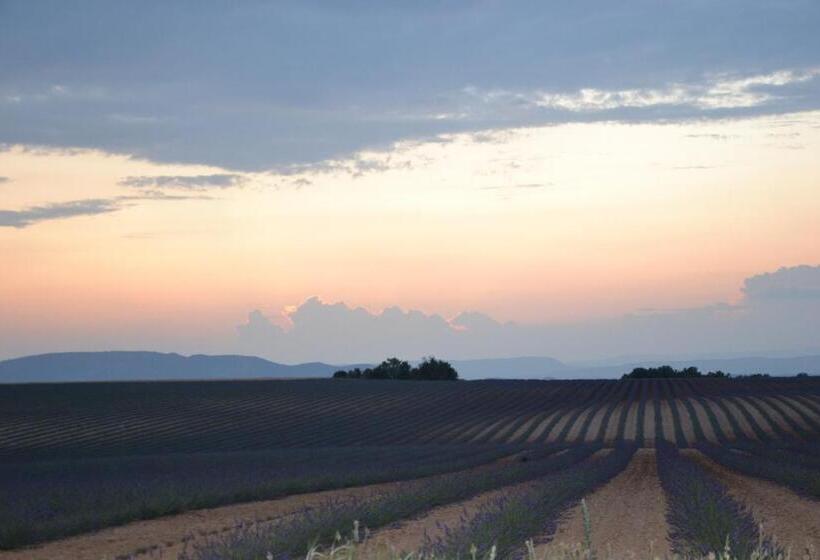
167, 170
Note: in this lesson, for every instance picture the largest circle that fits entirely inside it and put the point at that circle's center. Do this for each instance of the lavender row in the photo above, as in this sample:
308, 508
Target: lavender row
510, 520
52, 499
702, 517
292, 538
789, 465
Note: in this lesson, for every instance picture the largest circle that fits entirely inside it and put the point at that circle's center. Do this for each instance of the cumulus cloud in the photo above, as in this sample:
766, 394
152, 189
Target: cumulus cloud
35, 214
215, 181
795, 283
337, 333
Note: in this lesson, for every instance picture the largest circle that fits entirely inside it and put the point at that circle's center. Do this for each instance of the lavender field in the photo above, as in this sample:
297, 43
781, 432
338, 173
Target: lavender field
444, 471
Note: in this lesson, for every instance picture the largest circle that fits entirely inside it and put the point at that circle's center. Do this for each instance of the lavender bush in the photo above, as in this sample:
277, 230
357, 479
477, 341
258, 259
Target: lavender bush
293, 537
702, 517
507, 522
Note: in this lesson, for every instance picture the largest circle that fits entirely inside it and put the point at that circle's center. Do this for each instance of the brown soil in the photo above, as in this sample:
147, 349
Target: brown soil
758, 416
522, 429
792, 520
488, 429
788, 411
575, 431
722, 420
595, 424
631, 427
667, 423
741, 419
411, 535
556, 430
775, 415
799, 405
165, 537
539, 430
628, 515
504, 431
703, 419
649, 424
614, 421
686, 422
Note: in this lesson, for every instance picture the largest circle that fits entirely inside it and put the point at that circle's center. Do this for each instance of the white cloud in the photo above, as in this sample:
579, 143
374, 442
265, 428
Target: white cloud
781, 313
716, 92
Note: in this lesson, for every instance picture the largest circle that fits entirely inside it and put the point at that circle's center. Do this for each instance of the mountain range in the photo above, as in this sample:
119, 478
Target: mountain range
152, 366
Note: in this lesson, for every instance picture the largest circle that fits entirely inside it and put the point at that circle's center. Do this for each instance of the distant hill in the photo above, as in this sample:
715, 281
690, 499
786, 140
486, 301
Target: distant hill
145, 366
148, 366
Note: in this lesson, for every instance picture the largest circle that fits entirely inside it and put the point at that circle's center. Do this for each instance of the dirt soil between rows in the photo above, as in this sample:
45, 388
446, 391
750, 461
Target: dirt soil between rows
412, 534
792, 520
166, 537
628, 515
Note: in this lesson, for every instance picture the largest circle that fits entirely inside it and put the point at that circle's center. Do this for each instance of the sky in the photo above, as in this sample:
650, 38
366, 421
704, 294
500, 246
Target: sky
344, 181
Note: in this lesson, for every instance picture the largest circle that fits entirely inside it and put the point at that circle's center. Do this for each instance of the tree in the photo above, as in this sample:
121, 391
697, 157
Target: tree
662, 372
435, 370
391, 368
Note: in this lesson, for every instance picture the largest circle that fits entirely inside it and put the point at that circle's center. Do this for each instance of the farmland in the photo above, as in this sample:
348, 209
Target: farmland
441, 467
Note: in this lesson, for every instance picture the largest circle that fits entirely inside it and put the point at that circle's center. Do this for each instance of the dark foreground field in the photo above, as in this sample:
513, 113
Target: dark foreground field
442, 467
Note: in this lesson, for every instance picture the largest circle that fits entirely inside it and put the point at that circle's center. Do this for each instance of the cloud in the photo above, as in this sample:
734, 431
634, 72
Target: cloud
208, 91
87, 207
35, 214
720, 93
4, 179
794, 283
780, 313
216, 181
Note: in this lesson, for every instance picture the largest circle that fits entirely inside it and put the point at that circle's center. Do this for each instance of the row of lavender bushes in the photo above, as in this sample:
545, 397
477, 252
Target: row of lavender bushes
505, 524
291, 538
794, 465
702, 516
47, 500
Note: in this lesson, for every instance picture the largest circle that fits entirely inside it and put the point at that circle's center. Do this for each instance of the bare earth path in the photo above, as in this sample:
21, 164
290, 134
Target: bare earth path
410, 535
627, 514
792, 520
167, 535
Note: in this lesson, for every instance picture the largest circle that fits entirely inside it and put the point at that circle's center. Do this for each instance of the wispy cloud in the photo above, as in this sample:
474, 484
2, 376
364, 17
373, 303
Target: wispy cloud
55, 211
87, 207
213, 181
716, 92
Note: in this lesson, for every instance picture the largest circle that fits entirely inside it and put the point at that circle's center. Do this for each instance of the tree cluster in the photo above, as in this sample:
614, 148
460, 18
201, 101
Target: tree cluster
430, 369
669, 371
